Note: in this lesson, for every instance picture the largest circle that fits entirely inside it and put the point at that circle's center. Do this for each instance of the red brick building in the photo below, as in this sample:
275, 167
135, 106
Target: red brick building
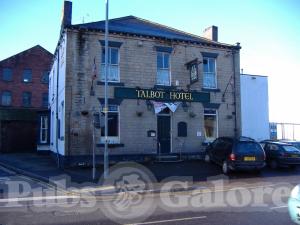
24, 99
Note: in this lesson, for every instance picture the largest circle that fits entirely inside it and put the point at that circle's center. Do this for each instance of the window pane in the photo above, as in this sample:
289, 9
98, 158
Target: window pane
166, 61
113, 128
45, 77
113, 125
26, 99
102, 72
211, 64
114, 56
6, 98
159, 60
27, 76
210, 126
205, 65
45, 100
113, 73
163, 77
113, 108
209, 80
103, 56
7, 74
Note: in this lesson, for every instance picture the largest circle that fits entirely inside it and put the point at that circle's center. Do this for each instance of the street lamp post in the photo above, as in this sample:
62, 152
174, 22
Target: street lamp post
106, 164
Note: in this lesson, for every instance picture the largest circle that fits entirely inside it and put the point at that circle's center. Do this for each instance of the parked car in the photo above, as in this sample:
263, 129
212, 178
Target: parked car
236, 154
294, 143
279, 154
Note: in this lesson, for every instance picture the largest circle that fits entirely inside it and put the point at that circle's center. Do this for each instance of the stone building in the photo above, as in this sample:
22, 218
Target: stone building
170, 92
24, 122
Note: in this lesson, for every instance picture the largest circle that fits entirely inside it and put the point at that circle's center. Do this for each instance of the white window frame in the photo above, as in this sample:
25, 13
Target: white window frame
210, 139
109, 66
163, 69
215, 72
43, 129
112, 139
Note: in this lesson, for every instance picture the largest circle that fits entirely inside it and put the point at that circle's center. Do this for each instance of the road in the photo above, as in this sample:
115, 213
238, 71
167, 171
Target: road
242, 199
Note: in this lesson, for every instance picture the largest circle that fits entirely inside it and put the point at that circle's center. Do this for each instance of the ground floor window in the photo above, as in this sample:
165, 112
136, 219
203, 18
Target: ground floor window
44, 129
210, 124
113, 125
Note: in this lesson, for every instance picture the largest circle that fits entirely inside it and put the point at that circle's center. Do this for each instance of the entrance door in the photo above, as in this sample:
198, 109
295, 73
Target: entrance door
164, 133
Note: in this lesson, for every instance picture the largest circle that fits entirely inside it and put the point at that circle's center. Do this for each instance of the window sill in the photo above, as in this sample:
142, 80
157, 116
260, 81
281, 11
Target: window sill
110, 83
168, 87
111, 145
211, 90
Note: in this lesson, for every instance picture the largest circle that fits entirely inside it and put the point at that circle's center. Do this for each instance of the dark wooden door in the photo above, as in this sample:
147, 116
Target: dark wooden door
18, 136
164, 133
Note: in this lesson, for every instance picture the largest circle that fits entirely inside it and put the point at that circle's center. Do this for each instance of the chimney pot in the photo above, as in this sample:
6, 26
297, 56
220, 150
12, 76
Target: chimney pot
211, 33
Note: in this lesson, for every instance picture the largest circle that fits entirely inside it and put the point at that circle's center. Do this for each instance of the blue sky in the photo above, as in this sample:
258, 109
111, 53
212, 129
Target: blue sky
269, 33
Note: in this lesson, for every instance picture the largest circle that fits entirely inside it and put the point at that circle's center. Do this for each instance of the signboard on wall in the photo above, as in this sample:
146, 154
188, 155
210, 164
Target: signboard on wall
161, 95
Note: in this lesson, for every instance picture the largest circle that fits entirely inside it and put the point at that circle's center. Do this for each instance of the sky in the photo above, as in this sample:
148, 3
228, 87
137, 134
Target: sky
268, 30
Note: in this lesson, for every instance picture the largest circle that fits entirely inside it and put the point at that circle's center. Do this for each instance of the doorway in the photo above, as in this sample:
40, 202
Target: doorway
164, 133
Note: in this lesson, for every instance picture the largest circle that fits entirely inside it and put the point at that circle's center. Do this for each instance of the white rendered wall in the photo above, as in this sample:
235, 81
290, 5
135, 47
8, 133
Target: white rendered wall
255, 107
61, 65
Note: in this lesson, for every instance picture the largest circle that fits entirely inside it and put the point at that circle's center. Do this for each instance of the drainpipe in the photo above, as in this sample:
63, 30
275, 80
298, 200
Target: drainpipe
234, 94
56, 110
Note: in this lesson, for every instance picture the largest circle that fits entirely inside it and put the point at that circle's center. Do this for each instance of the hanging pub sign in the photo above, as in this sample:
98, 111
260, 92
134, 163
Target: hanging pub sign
161, 95
192, 66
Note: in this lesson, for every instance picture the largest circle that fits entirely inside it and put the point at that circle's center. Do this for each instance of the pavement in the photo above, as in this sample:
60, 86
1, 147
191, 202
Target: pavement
237, 199
196, 173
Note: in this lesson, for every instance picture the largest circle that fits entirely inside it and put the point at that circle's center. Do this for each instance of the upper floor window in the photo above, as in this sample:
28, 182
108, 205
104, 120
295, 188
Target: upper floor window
6, 98
7, 74
26, 99
209, 73
45, 77
163, 68
45, 100
27, 75
113, 65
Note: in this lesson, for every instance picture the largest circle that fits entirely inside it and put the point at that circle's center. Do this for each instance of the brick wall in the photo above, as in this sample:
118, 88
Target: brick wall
38, 60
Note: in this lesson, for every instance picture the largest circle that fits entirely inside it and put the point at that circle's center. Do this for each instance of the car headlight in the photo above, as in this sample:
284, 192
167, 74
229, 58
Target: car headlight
296, 192
294, 204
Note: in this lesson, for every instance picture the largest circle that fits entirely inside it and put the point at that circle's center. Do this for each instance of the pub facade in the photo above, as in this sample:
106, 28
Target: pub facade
169, 92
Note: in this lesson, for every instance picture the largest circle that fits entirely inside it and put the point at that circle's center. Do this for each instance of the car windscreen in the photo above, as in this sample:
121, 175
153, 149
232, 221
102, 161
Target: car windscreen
290, 148
244, 147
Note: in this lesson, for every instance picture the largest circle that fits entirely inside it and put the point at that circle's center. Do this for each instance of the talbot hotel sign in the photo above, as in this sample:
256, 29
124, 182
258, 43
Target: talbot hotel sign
161, 95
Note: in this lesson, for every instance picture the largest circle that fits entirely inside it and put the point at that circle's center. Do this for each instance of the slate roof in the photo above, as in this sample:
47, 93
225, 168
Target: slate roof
38, 47
137, 26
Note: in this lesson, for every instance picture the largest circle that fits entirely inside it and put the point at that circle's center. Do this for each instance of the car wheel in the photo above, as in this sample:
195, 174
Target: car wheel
273, 164
225, 168
207, 158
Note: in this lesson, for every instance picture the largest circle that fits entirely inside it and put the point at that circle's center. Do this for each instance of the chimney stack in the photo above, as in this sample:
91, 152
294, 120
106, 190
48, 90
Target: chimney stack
211, 33
67, 14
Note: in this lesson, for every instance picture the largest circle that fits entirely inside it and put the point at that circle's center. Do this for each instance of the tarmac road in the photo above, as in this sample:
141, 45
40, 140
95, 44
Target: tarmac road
244, 199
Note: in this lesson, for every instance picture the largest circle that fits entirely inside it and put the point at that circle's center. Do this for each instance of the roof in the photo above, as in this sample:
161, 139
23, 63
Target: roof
27, 50
137, 26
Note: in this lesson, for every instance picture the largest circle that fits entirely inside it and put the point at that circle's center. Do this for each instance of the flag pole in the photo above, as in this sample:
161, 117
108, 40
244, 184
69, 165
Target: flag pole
106, 164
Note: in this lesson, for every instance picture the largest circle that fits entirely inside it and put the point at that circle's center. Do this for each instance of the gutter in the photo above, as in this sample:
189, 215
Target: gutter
56, 111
